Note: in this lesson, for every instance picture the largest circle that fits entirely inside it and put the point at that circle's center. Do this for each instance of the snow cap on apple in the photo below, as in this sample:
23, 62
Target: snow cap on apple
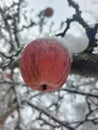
45, 64
76, 44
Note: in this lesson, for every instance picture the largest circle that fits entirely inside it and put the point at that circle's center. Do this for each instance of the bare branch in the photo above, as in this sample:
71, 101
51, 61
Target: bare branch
46, 112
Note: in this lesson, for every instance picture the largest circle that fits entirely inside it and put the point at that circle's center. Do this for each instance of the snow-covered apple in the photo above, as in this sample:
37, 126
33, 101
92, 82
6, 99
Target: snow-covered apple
45, 64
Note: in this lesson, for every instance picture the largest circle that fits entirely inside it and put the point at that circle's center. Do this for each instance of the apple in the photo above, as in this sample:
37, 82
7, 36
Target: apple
48, 12
45, 64
8, 75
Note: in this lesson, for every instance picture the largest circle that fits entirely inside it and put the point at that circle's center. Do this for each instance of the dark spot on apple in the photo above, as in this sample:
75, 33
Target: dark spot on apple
44, 87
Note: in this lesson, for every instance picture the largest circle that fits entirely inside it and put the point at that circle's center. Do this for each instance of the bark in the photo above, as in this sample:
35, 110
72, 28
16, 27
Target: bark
85, 64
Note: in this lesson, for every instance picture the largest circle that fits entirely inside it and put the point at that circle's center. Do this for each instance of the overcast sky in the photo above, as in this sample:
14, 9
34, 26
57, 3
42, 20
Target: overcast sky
89, 8
61, 12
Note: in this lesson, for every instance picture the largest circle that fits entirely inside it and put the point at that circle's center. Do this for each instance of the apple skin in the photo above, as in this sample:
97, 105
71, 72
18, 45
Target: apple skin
45, 64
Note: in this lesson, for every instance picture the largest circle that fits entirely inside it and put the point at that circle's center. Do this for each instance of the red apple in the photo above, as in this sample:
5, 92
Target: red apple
48, 12
8, 75
45, 64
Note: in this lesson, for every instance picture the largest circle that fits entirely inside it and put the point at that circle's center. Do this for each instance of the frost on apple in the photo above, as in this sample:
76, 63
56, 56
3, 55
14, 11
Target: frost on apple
45, 64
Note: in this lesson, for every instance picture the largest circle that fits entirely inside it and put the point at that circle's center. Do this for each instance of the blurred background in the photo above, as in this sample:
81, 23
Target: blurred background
75, 105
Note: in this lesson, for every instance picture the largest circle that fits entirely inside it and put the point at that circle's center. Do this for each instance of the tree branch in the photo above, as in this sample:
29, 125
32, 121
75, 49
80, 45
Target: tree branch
46, 112
80, 92
85, 64
90, 31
